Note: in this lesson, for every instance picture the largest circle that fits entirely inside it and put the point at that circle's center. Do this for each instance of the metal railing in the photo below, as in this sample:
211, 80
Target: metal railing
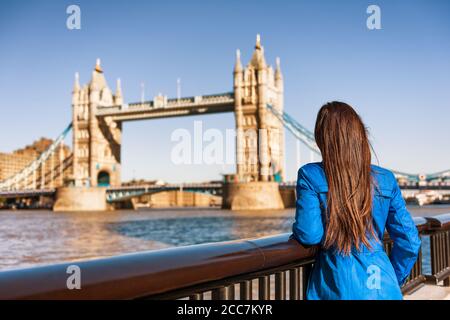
275, 267
416, 277
439, 233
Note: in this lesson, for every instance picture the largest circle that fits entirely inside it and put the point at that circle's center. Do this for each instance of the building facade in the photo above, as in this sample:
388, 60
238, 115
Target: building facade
51, 174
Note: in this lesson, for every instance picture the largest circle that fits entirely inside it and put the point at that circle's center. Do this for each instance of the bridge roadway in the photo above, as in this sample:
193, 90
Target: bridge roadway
161, 107
125, 192
214, 188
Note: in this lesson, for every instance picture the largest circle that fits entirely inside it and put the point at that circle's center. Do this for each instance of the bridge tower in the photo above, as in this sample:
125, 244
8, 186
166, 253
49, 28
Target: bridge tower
260, 135
96, 141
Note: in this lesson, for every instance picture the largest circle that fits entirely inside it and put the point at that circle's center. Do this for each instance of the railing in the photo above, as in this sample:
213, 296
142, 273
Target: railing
416, 277
275, 267
439, 233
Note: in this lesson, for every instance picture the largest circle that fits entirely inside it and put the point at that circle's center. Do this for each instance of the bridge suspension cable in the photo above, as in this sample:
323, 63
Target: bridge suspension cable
299, 131
307, 137
13, 181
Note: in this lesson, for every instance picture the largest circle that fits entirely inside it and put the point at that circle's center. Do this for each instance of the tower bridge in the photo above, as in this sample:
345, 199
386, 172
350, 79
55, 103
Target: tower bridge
98, 114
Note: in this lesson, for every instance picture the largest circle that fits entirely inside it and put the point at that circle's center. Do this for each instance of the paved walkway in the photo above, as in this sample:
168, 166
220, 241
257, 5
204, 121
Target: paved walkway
430, 292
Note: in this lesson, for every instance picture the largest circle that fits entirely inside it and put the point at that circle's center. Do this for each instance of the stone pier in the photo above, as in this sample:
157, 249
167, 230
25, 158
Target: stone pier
258, 195
69, 199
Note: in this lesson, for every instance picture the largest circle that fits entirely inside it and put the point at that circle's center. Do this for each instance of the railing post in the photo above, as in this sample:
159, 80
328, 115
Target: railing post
223, 293
245, 290
294, 287
433, 255
280, 285
230, 289
196, 296
305, 273
418, 265
264, 288
447, 255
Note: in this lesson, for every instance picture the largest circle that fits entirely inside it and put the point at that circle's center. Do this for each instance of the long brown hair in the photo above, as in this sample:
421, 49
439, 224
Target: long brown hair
343, 141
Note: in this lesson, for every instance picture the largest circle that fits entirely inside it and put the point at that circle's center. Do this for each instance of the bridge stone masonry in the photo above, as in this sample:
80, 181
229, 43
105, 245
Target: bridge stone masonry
89, 177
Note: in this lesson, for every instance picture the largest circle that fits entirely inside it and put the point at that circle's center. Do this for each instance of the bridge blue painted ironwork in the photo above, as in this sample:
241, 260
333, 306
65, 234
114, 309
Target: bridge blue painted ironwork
127, 192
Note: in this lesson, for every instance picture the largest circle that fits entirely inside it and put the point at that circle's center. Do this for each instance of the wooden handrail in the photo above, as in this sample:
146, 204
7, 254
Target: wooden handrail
144, 274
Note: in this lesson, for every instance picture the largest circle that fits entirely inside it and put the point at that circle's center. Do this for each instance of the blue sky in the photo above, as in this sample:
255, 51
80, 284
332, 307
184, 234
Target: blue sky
398, 78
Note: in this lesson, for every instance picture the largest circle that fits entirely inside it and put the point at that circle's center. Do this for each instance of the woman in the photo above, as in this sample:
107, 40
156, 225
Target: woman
344, 204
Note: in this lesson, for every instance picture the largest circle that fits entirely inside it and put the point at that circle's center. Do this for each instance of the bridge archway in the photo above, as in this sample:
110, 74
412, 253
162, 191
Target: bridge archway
103, 179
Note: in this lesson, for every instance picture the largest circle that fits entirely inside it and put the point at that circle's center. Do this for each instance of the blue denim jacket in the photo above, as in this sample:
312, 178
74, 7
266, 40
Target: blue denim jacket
367, 273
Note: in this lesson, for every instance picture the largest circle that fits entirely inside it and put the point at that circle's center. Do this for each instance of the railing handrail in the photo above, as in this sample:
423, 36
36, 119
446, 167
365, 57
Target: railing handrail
439, 222
151, 273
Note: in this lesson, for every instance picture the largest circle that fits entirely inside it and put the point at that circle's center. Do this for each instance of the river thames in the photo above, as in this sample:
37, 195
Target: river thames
30, 238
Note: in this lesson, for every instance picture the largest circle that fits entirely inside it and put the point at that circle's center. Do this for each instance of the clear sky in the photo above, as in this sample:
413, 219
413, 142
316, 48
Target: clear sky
398, 78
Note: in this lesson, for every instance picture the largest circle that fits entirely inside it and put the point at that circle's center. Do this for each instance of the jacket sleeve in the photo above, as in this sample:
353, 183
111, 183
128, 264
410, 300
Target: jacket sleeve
308, 227
403, 232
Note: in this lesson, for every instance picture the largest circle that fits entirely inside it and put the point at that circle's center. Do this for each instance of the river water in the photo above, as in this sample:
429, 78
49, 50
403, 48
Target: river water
30, 238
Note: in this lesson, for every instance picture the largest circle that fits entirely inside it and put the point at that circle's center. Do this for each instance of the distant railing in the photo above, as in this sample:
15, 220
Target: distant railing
416, 277
439, 232
275, 267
